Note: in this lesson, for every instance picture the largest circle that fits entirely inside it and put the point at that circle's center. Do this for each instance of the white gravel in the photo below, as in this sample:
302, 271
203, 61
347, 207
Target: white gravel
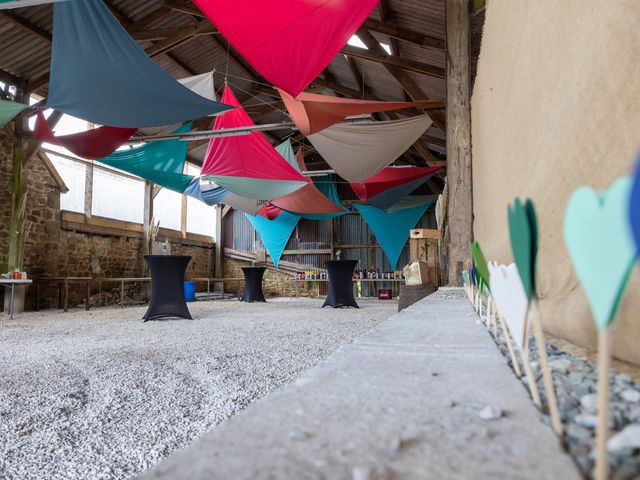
102, 395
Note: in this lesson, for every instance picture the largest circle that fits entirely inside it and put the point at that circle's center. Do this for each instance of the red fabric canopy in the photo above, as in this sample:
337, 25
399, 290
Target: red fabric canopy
300, 159
288, 42
388, 178
270, 212
249, 156
312, 113
307, 199
93, 144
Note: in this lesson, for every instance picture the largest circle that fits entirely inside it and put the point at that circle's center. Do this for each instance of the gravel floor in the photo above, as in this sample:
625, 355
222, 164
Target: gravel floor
102, 395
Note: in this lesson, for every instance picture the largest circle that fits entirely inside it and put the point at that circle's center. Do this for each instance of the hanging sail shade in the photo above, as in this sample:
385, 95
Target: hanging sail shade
312, 112
201, 84
270, 212
302, 167
160, 162
93, 144
211, 195
392, 228
390, 185
289, 43
356, 151
249, 206
247, 165
411, 201
7, 4
328, 188
8, 110
275, 233
286, 150
100, 74
307, 200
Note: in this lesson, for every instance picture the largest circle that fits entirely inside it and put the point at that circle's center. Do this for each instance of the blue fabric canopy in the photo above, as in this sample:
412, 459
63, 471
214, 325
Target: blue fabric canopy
328, 188
392, 228
210, 196
161, 162
275, 233
393, 195
100, 74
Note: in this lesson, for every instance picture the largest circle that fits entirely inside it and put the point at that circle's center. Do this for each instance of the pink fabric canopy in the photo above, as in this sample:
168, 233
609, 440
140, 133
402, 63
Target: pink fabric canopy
312, 113
288, 42
388, 178
307, 199
248, 164
93, 144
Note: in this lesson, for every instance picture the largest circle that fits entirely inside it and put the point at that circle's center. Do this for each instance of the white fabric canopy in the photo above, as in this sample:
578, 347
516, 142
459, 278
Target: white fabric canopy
246, 205
201, 84
358, 150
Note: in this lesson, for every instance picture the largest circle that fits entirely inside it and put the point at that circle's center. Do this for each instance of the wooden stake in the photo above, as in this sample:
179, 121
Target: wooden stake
556, 421
494, 323
507, 337
602, 433
533, 386
488, 321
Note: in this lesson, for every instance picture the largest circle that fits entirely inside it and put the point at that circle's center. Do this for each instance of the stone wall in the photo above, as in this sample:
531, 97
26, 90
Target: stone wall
276, 283
51, 250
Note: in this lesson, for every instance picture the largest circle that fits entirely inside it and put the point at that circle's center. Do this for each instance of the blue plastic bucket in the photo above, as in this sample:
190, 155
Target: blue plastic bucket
189, 291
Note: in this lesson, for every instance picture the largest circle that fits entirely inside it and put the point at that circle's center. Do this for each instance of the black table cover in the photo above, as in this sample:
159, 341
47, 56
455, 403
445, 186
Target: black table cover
340, 283
253, 284
167, 286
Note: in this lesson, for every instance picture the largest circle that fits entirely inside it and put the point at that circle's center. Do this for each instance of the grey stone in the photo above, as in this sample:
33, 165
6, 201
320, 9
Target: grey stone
561, 364
490, 413
629, 437
589, 403
630, 395
586, 420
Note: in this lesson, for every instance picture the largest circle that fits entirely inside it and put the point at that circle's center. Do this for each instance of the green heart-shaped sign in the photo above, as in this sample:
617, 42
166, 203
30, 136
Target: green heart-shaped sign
523, 231
481, 264
600, 243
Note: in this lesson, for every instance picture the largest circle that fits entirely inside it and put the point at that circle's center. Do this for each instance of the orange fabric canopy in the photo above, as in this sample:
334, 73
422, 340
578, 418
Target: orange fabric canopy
312, 113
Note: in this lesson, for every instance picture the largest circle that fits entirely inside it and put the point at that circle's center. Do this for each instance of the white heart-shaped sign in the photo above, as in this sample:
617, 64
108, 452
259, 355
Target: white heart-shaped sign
510, 299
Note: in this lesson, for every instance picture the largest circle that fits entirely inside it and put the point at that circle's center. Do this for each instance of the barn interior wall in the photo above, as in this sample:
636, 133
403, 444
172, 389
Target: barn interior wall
555, 106
54, 251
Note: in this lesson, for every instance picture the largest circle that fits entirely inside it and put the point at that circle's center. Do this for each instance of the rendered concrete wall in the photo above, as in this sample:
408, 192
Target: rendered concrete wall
556, 105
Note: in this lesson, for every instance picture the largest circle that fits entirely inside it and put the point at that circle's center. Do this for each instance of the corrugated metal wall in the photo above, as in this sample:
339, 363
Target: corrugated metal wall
350, 229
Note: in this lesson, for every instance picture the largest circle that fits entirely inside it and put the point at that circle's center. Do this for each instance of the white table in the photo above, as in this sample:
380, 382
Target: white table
9, 282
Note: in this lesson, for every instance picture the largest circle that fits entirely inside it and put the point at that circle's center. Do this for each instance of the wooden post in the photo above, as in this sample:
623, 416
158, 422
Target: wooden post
18, 192
147, 224
219, 245
183, 217
88, 191
460, 201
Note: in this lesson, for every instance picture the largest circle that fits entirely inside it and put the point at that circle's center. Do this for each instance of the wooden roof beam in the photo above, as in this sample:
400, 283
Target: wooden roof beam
393, 30
403, 63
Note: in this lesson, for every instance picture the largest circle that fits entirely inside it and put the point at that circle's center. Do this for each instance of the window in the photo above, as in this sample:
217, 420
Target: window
167, 208
74, 175
201, 218
117, 196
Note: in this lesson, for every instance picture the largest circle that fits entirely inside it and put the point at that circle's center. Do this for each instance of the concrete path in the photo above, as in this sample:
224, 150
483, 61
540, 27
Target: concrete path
401, 402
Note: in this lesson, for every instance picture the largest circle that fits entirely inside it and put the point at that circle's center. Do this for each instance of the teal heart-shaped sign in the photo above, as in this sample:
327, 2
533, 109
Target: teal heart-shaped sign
523, 232
599, 240
634, 208
480, 263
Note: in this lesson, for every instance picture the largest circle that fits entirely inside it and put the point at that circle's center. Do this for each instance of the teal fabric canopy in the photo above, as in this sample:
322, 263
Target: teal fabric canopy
160, 162
328, 188
286, 150
100, 74
275, 233
392, 228
8, 110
